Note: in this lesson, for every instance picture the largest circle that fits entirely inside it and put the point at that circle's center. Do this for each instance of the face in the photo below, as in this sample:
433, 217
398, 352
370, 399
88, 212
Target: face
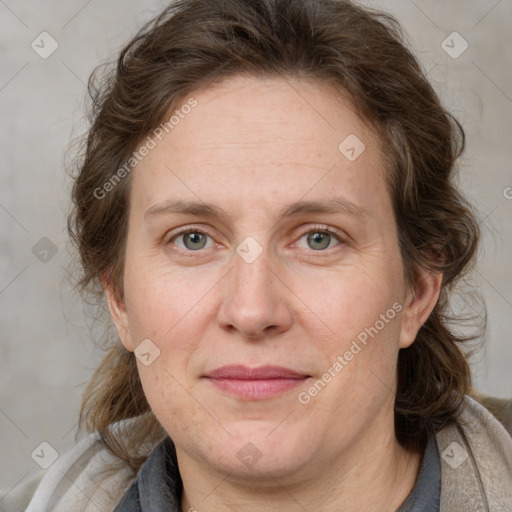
263, 286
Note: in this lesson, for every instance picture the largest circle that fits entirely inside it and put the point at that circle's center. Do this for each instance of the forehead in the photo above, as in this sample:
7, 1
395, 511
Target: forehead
267, 140
270, 113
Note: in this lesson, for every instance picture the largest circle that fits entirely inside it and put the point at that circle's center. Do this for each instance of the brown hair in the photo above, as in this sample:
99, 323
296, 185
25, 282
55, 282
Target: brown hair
362, 52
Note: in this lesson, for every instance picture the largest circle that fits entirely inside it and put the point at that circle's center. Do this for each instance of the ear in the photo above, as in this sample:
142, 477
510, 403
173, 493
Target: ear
118, 313
420, 302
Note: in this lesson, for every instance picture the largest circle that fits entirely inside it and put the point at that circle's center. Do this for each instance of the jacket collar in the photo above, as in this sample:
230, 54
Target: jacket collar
476, 462
158, 486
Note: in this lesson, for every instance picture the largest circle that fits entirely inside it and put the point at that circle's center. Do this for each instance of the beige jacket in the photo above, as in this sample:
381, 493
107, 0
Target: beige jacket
475, 454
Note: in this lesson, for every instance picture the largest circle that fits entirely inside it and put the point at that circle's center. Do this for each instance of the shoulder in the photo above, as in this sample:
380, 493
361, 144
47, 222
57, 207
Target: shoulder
17, 499
499, 407
476, 462
86, 478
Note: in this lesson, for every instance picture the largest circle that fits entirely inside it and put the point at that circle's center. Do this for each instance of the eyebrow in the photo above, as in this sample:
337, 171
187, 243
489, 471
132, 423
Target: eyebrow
200, 208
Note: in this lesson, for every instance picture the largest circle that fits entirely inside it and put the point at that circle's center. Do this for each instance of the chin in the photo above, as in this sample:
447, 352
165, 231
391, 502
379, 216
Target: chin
260, 450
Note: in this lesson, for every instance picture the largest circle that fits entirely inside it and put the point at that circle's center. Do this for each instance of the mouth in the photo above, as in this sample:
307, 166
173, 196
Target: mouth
255, 383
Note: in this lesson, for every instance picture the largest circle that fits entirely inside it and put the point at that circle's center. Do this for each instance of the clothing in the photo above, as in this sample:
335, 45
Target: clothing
475, 455
158, 485
426, 495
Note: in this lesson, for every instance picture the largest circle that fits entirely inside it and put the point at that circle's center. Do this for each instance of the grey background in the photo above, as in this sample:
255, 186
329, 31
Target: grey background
46, 350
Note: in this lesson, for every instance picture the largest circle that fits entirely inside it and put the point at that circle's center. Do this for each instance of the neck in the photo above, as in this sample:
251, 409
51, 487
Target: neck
371, 476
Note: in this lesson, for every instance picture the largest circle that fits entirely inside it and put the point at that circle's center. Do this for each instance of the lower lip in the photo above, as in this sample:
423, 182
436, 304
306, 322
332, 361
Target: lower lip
256, 389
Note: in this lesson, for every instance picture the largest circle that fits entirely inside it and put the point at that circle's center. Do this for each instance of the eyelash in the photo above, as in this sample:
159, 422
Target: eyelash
314, 229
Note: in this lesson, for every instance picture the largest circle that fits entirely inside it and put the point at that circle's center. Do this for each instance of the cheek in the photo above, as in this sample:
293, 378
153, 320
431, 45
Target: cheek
174, 401
361, 372
173, 311
347, 302
358, 318
158, 300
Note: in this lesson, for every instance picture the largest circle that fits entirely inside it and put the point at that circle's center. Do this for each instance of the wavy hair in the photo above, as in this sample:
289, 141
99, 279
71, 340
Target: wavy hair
363, 53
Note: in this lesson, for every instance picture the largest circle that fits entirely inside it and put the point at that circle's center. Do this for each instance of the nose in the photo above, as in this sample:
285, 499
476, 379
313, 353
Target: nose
254, 300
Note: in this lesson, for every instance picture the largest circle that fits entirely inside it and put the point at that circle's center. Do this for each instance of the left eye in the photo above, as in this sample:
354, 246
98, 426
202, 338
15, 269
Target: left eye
192, 240
319, 240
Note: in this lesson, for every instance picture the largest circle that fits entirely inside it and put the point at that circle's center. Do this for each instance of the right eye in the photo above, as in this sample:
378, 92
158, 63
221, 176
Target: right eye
191, 240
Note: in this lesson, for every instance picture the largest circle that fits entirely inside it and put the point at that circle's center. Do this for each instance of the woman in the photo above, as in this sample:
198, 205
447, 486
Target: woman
266, 202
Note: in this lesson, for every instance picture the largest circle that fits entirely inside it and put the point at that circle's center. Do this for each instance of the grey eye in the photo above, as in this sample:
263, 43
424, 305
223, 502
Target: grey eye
193, 240
318, 240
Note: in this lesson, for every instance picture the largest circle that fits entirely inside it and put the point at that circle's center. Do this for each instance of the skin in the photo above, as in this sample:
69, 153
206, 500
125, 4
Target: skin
251, 147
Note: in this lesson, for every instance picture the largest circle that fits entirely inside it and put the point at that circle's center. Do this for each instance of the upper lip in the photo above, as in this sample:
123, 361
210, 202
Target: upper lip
241, 372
